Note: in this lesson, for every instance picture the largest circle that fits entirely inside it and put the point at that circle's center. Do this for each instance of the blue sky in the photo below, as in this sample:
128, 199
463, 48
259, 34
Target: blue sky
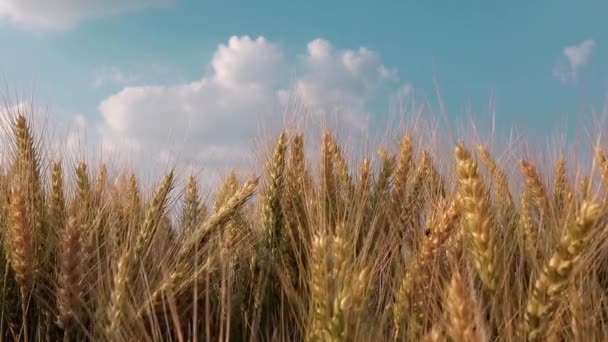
117, 66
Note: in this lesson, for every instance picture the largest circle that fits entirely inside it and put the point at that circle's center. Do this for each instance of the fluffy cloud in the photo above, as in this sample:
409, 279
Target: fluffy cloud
213, 120
64, 14
340, 81
206, 120
572, 59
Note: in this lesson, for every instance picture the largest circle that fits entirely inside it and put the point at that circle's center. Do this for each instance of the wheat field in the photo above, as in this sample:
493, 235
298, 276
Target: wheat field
390, 247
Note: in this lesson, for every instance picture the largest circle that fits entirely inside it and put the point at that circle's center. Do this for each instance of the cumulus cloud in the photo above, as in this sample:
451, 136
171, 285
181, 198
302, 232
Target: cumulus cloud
203, 118
64, 14
340, 81
572, 59
212, 121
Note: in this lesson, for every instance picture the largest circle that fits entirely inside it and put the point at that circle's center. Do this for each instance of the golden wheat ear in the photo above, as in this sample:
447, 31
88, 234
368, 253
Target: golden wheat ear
385, 178
119, 307
478, 216
463, 312
555, 276
414, 283
528, 226
336, 291
297, 183
319, 287
26, 167
411, 206
133, 198
192, 212
57, 210
21, 240
298, 177
83, 195
22, 256
344, 183
27, 164
436, 334
156, 209
501, 182
328, 179
222, 215
602, 162
535, 187
364, 184
562, 190
71, 286
101, 183
403, 169
272, 214
179, 276
435, 183
227, 189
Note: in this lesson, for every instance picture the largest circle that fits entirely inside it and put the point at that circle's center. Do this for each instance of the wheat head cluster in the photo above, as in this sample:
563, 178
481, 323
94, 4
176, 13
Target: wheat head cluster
392, 247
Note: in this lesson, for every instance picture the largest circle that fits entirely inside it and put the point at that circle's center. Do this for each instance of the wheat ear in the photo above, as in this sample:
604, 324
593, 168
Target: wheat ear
555, 276
562, 191
536, 188
602, 162
403, 169
198, 238
22, 250
328, 178
156, 210
273, 216
192, 207
477, 215
440, 225
71, 287
463, 323
500, 179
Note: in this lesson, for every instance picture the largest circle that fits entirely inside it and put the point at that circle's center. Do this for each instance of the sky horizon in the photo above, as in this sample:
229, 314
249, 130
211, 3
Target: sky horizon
134, 72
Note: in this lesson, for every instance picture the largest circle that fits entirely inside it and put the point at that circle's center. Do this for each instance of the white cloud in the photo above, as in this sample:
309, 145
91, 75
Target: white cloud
64, 14
210, 114
113, 76
213, 120
405, 90
340, 81
572, 59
